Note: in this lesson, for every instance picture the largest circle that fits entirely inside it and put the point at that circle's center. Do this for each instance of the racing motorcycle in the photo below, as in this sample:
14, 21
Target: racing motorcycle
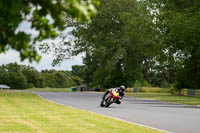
110, 98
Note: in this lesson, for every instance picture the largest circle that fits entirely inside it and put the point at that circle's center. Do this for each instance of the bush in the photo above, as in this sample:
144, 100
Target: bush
30, 85
137, 84
174, 91
146, 84
164, 84
141, 84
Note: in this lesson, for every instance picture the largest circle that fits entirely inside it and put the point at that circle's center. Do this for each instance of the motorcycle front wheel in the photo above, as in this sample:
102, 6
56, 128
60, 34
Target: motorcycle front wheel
109, 101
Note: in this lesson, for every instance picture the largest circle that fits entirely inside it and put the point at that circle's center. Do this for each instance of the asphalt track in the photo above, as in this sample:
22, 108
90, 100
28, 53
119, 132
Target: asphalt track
166, 116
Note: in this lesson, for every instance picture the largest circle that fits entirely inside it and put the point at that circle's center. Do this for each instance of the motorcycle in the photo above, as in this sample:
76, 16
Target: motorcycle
110, 98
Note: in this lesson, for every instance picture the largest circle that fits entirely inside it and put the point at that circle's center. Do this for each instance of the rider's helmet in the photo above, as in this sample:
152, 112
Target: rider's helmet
122, 87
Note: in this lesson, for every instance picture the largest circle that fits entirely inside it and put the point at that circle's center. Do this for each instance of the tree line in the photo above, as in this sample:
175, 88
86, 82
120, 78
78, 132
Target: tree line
130, 42
23, 77
146, 42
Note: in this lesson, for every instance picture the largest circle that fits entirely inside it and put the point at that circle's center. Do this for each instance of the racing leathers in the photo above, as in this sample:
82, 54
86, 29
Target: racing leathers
118, 101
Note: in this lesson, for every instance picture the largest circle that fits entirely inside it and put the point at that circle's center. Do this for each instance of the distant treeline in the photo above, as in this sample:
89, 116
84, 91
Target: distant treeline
23, 77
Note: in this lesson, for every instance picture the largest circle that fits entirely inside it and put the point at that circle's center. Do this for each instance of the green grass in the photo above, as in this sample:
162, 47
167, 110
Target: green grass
151, 90
168, 97
51, 89
23, 112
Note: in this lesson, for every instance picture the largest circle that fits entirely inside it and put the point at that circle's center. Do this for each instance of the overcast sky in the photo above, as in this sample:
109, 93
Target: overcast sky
45, 63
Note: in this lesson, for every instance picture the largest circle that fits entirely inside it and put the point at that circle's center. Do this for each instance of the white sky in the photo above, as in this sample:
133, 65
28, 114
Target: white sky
45, 63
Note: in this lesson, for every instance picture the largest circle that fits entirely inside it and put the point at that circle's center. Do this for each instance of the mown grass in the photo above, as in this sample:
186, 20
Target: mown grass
23, 112
150, 90
168, 97
50, 89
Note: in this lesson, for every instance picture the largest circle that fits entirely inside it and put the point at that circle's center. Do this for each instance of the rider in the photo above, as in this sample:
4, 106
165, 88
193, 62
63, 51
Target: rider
121, 90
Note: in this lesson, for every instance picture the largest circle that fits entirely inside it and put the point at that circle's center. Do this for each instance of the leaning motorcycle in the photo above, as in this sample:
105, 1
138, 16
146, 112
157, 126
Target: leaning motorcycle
110, 98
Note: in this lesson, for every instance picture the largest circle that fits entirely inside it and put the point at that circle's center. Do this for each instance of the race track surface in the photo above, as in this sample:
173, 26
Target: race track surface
166, 116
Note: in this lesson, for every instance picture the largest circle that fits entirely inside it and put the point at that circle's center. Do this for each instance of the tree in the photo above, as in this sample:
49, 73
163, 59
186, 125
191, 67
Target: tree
17, 80
178, 36
34, 78
58, 79
3, 75
39, 13
79, 71
23, 77
12, 76
114, 43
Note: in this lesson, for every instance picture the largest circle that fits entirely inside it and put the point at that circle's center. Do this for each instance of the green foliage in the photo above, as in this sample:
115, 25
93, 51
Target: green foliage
178, 23
37, 13
146, 84
34, 78
146, 42
143, 83
30, 85
79, 71
17, 80
12, 76
23, 77
57, 79
137, 84
114, 43
77, 80
164, 84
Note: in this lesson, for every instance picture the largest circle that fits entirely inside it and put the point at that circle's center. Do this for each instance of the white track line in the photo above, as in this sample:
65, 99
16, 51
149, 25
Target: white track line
106, 115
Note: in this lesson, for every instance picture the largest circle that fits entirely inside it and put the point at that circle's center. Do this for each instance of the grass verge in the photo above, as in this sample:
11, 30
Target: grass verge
168, 97
150, 90
23, 112
50, 89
